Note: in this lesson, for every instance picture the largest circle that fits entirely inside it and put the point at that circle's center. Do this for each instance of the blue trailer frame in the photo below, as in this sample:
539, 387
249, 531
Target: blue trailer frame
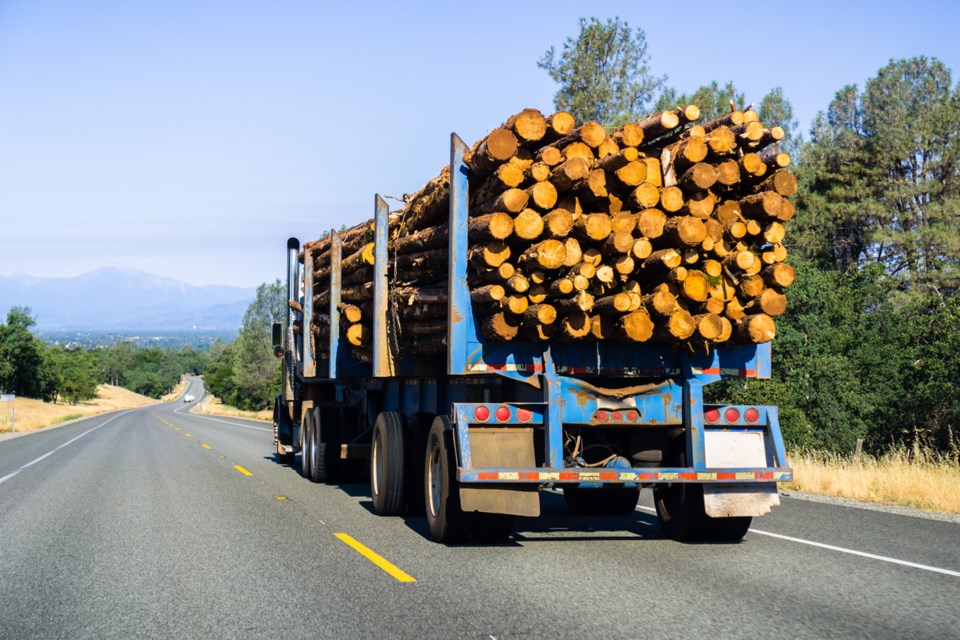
555, 384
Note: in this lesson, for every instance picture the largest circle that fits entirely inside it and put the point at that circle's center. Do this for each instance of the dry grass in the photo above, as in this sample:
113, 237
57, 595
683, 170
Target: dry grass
35, 414
212, 406
917, 478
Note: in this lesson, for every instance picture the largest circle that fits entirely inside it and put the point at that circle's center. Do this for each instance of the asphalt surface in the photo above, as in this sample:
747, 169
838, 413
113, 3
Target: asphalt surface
141, 524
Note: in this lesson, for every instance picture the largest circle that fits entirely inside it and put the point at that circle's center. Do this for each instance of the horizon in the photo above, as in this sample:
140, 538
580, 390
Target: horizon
190, 141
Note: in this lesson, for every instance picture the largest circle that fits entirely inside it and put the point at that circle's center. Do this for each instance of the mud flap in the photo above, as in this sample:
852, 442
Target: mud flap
731, 500
501, 448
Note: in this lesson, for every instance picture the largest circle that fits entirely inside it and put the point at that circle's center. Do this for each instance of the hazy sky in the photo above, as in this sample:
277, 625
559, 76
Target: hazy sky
191, 138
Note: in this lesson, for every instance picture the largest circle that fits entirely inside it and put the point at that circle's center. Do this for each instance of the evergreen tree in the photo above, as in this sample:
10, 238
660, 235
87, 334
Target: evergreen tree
603, 73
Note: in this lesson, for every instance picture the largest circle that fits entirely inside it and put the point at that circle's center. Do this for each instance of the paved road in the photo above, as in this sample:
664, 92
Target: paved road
158, 523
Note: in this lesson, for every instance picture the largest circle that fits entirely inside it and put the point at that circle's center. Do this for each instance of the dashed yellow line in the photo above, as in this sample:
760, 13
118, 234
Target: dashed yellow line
205, 446
242, 470
375, 558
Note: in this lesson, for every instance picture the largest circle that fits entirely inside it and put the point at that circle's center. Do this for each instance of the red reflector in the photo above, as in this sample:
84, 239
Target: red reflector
617, 416
633, 415
751, 415
711, 415
482, 414
731, 415
601, 415
503, 414
524, 415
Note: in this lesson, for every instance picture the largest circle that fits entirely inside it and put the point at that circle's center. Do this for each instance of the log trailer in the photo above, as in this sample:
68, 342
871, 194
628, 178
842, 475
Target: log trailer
471, 438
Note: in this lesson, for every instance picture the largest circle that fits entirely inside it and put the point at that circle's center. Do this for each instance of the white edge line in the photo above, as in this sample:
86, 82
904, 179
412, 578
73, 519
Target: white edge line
232, 424
853, 552
53, 451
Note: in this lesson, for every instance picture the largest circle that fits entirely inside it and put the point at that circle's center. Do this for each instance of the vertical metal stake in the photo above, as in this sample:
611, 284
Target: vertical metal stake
459, 310
382, 358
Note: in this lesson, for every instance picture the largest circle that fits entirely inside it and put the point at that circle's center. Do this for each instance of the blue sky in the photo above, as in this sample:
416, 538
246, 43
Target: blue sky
191, 138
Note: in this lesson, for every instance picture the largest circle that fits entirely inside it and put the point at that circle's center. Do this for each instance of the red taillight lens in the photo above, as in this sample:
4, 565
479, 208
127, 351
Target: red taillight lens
633, 415
601, 415
731, 415
502, 413
617, 415
524, 415
481, 414
751, 415
711, 415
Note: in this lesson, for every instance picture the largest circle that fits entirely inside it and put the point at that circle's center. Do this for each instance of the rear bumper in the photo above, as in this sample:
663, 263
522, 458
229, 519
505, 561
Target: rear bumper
623, 476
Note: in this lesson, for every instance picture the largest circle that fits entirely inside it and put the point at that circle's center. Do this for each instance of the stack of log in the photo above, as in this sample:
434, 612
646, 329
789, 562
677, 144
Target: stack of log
661, 230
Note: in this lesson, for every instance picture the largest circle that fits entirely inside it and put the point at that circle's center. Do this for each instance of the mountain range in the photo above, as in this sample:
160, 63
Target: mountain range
114, 299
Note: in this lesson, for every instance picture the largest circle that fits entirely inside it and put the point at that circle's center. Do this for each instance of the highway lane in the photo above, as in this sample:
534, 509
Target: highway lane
161, 523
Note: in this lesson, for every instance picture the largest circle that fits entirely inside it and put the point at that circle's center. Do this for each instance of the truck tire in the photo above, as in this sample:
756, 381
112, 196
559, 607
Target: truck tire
683, 516
387, 478
418, 426
325, 438
278, 416
604, 501
306, 443
445, 518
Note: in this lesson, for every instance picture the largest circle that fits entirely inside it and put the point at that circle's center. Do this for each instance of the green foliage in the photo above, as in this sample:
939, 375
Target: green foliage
26, 369
882, 176
78, 372
603, 73
776, 111
244, 374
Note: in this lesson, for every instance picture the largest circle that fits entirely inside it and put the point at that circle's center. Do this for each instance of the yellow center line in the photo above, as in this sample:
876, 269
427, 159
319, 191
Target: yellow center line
205, 446
242, 470
187, 434
375, 558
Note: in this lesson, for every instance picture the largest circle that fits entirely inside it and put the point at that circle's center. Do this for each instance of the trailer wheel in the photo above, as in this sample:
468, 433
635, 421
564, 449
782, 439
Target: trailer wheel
306, 444
605, 501
683, 517
387, 481
418, 426
282, 456
325, 462
446, 519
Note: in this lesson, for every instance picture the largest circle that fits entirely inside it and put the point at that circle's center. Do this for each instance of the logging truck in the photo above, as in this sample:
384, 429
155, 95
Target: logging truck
469, 431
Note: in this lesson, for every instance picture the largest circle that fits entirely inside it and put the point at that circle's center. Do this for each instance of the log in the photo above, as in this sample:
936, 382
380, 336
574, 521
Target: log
581, 301
699, 204
685, 153
491, 254
772, 302
680, 325
654, 171
751, 164
538, 332
518, 283
767, 204
727, 211
620, 159
623, 221
487, 294
709, 326
500, 327
624, 265
494, 275
695, 286
559, 125
592, 187
492, 226
511, 200
591, 134
641, 249
358, 334
575, 325
607, 148
558, 223
773, 233
618, 243
615, 304
782, 182
540, 314
506, 176
548, 254
568, 173
660, 303
629, 135
779, 275
536, 294
603, 327
662, 260
728, 173
357, 260
636, 326
572, 252
721, 141
645, 196
740, 261
550, 156
700, 177
428, 206
732, 119
751, 286
630, 175
757, 328
495, 149
529, 125
671, 199
350, 312
542, 195
537, 172
593, 226
659, 124
561, 287
774, 159
684, 230
528, 225
650, 223
578, 150
413, 263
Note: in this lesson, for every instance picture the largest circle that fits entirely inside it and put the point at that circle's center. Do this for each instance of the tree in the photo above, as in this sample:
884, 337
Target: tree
78, 373
882, 176
27, 371
603, 73
776, 111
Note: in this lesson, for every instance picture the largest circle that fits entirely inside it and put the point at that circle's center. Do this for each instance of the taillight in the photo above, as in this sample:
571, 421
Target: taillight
732, 415
502, 414
481, 414
524, 415
751, 415
633, 415
711, 415
601, 415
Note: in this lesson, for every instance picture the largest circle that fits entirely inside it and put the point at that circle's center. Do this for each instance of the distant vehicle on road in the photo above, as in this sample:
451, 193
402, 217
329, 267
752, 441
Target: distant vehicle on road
189, 398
